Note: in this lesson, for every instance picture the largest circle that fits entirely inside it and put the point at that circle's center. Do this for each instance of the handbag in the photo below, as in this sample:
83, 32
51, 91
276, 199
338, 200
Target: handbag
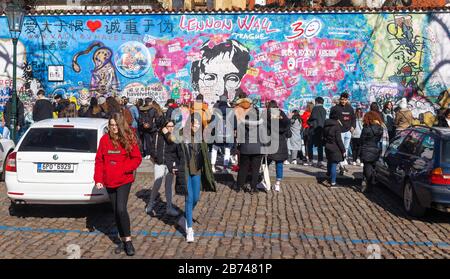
265, 173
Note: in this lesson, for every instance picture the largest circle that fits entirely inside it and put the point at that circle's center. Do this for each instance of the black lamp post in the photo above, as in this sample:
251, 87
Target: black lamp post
15, 15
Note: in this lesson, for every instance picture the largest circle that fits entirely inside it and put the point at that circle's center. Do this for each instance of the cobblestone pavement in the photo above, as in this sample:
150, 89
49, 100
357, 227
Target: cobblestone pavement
304, 220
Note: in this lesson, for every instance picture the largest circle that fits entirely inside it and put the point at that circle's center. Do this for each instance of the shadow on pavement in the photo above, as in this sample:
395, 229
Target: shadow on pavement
99, 217
160, 209
391, 202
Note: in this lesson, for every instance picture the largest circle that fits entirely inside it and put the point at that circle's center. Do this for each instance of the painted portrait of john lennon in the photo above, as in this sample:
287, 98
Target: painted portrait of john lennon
220, 70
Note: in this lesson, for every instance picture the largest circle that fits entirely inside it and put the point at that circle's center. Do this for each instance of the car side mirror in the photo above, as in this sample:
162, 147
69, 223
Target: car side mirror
105, 130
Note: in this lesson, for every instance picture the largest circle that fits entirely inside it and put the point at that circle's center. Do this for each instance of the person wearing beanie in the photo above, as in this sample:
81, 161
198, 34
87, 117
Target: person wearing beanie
403, 117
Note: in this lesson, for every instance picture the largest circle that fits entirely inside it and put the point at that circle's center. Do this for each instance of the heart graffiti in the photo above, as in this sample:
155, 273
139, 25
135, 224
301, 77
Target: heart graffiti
94, 25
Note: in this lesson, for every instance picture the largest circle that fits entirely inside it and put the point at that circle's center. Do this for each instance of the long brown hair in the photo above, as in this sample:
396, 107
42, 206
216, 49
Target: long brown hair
372, 117
125, 136
157, 108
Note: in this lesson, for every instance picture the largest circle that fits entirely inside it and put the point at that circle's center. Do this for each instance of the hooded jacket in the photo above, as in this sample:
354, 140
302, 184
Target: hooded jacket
334, 147
115, 167
42, 109
370, 142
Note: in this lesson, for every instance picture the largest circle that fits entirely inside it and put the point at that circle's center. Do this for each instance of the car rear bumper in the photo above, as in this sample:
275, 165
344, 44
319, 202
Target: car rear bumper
437, 196
46, 193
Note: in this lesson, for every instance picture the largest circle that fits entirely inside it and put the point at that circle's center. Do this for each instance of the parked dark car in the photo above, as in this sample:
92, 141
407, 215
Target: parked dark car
416, 166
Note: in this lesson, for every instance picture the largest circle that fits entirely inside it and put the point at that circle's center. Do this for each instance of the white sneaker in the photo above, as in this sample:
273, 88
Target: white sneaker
358, 161
277, 186
287, 162
294, 162
190, 235
354, 163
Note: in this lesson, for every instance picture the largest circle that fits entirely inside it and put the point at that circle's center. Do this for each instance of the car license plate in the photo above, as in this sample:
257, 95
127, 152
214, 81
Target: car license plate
55, 167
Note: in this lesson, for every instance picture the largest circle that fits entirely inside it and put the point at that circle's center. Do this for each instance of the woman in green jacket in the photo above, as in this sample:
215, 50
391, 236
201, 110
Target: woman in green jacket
193, 170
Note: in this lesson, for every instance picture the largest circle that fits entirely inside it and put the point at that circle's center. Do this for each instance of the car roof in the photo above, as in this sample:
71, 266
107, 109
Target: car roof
442, 132
82, 122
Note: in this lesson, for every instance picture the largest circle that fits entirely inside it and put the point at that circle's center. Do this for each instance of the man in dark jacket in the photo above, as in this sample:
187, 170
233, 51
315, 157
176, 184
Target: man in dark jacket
43, 108
316, 123
346, 115
20, 116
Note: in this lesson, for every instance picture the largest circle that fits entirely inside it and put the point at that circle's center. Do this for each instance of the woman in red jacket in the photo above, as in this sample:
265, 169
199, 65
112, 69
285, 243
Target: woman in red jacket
307, 138
117, 158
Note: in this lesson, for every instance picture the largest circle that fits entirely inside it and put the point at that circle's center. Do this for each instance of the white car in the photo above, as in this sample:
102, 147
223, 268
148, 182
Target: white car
54, 163
6, 147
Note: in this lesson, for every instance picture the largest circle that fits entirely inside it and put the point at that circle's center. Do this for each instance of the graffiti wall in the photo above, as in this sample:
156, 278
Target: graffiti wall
291, 58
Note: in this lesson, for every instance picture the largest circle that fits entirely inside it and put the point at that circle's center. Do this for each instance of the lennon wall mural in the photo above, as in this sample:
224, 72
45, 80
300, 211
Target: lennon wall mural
291, 58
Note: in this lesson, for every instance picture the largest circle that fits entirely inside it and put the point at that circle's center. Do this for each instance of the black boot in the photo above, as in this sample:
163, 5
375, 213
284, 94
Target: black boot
129, 249
120, 248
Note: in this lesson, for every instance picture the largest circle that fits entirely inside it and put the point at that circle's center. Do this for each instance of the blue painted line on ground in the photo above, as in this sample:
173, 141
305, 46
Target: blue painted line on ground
235, 234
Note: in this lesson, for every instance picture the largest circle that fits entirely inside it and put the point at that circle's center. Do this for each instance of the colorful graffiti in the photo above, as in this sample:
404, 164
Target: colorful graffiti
291, 58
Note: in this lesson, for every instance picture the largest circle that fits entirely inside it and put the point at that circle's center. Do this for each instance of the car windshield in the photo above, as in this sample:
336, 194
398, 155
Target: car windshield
446, 151
60, 139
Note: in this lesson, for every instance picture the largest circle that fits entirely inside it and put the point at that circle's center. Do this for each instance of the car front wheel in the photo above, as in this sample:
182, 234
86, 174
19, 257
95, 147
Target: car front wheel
410, 201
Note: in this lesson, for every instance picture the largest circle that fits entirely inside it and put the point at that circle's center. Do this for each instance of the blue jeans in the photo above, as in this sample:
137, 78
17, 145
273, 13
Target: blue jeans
192, 197
346, 139
331, 167
278, 169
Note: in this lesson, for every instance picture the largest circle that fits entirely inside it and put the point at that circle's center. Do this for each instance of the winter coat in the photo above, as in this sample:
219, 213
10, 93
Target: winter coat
248, 136
316, 123
305, 116
163, 150
370, 143
334, 147
149, 117
295, 142
403, 119
42, 110
224, 123
181, 163
282, 152
114, 167
20, 120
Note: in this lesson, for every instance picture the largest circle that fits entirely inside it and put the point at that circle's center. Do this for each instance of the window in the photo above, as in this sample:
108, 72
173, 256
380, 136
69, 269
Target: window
60, 140
393, 147
411, 143
426, 148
